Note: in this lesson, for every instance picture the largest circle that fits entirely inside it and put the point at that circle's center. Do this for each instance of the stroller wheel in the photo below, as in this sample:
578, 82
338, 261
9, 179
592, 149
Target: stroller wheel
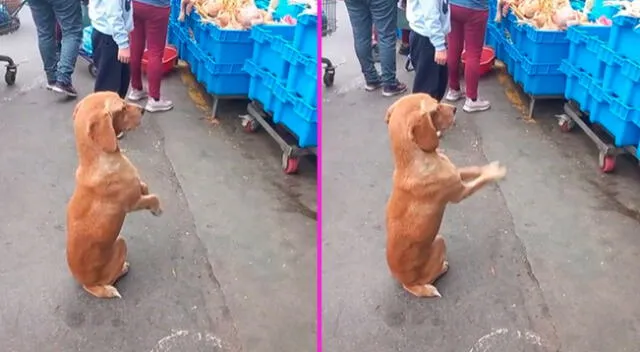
93, 70
10, 75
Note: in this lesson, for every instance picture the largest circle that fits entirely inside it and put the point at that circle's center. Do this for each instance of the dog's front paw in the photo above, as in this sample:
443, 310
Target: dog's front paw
494, 171
157, 211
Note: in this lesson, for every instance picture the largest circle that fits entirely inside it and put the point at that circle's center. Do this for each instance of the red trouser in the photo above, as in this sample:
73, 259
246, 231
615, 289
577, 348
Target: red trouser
150, 28
467, 31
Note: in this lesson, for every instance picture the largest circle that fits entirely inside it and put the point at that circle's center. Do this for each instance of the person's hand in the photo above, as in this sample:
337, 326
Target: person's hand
440, 57
124, 55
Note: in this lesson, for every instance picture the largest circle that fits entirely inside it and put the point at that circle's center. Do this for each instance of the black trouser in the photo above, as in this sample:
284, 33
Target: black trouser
113, 75
430, 78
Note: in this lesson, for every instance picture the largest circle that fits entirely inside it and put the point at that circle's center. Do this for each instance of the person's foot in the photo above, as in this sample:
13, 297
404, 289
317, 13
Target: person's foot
66, 89
50, 85
394, 89
403, 50
476, 105
371, 86
136, 95
453, 95
375, 52
158, 105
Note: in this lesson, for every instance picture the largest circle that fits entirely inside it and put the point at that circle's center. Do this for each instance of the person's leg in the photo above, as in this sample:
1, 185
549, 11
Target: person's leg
69, 15
125, 78
455, 43
45, 22
428, 74
137, 43
474, 41
404, 45
375, 50
385, 17
105, 57
361, 22
156, 41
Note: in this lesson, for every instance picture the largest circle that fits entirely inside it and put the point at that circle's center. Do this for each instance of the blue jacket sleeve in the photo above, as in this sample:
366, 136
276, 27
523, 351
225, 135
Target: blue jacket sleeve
115, 18
433, 24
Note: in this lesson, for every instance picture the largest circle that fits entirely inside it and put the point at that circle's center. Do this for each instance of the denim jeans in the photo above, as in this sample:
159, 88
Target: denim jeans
68, 13
383, 14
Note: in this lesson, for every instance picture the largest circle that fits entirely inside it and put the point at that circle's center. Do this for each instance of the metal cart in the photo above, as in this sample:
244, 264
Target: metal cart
9, 23
329, 26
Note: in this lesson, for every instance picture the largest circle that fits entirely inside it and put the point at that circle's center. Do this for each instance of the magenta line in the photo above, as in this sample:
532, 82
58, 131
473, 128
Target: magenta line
319, 185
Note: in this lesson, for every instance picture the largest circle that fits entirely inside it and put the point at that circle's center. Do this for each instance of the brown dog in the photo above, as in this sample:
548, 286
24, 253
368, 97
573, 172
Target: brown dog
424, 181
107, 188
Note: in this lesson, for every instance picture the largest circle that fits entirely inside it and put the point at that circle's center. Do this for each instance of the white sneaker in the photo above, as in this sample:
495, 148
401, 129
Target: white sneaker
136, 95
474, 106
158, 105
454, 95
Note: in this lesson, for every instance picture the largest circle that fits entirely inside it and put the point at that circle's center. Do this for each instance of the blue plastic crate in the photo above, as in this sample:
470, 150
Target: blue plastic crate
261, 86
513, 32
268, 48
578, 85
624, 38
285, 8
174, 37
585, 47
495, 40
616, 118
296, 116
599, 9
540, 79
303, 75
306, 35
543, 46
621, 77
225, 79
512, 59
87, 43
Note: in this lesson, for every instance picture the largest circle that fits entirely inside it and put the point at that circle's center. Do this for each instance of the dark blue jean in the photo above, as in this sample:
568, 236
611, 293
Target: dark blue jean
383, 14
69, 14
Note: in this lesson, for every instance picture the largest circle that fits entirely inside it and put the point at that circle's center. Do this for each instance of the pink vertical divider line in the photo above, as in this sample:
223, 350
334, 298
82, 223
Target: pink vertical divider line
319, 180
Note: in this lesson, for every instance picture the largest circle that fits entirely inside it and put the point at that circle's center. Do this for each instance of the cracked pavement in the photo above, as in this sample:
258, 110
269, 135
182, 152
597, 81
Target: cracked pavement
542, 262
230, 265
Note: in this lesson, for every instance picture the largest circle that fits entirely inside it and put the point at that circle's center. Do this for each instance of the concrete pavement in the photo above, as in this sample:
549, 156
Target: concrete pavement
230, 266
545, 261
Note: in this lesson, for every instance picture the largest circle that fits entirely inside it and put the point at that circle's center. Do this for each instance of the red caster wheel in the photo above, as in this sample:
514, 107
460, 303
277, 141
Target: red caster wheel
289, 164
566, 126
249, 125
607, 163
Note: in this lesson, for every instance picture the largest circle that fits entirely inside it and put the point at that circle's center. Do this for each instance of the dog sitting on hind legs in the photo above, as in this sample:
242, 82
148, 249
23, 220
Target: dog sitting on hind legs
424, 182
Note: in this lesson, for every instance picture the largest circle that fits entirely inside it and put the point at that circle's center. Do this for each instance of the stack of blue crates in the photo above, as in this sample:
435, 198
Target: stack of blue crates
284, 77
603, 76
273, 64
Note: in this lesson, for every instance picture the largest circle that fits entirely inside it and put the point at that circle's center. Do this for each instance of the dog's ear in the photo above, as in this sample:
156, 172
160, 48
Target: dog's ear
101, 128
389, 112
423, 132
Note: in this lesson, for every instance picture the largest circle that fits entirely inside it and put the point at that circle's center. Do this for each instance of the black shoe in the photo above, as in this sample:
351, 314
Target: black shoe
375, 52
394, 89
66, 89
403, 50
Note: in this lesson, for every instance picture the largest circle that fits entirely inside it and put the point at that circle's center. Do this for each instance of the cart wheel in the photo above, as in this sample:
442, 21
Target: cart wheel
567, 125
10, 76
93, 70
329, 77
289, 164
606, 162
250, 125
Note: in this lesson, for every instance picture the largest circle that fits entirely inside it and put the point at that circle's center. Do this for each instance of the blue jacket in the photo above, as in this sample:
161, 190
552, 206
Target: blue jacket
114, 18
431, 19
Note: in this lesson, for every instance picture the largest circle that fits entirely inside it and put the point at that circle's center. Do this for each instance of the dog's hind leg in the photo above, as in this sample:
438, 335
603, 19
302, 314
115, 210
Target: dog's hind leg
118, 266
103, 291
435, 267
